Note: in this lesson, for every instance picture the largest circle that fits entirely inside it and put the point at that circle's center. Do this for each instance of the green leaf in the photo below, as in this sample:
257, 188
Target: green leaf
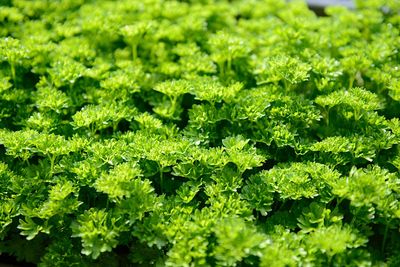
30, 229
97, 230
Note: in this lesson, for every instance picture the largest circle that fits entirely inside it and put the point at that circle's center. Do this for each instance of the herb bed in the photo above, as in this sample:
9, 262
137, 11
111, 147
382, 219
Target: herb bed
199, 133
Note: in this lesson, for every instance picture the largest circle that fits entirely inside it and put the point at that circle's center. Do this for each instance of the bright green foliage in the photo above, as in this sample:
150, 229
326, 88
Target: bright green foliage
117, 184
133, 34
334, 240
49, 98
283, 248
286, 69
65, 71
226, 49
236, 241
30, 229
301, 180
358, 100
14, 53
373, 188
97, 230
62, 200
102, 116
316, 216
199, 133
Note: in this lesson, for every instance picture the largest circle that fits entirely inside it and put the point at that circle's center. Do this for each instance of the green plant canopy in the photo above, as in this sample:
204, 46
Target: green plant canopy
199, 133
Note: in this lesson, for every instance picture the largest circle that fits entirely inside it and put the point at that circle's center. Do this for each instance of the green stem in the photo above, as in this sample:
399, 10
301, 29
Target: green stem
107, 204
262, 82
161, 180
222, 69
115, 126
13, 74
134, 51
72, 94
229, 65
285, 84
337, 204
385, 237
357, 114
354, 217
92, 129
26, 161
351, 81
52, 163
327, 116
288, 85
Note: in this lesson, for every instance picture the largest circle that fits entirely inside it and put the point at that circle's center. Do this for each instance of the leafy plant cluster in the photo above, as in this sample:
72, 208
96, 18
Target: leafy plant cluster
199, 133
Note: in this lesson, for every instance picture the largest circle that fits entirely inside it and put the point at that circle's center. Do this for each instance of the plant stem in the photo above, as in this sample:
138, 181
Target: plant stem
229, 65
13, 74
161, 177
385, 237
222, 69
353, 220
351, 81
327, 116
337, 204
134, 51
161, 180
52, 163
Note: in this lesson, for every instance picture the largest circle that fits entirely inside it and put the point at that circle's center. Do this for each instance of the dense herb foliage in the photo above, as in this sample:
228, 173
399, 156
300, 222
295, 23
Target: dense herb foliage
199, 133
